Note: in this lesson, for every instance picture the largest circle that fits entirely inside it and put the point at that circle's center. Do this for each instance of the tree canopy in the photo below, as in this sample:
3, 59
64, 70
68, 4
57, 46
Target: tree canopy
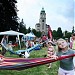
8, 15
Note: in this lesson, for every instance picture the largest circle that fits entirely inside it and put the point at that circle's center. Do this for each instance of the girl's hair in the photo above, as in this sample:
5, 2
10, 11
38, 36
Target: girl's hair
60, 40
59, 49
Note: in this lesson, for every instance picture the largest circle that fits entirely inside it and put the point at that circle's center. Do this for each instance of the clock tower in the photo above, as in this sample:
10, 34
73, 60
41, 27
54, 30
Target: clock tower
42, 26
42, 21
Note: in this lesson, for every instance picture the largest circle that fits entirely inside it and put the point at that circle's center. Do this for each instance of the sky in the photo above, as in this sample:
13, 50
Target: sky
59, 13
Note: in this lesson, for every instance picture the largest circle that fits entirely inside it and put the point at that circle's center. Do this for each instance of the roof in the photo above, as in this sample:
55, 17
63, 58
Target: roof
11, 32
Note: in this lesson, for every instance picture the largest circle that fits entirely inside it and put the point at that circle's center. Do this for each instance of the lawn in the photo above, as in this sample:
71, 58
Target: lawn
39, 70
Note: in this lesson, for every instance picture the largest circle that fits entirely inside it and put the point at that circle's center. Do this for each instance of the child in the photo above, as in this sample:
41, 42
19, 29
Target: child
4, 42
10, 46
0, 49
73, 41
28, 44
66, 65
73, 46
50, 51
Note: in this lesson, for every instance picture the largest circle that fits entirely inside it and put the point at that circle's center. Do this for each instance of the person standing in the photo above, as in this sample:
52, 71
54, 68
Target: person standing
73, 41
66, 65
4, 43
50, 52
73, 46
0, 49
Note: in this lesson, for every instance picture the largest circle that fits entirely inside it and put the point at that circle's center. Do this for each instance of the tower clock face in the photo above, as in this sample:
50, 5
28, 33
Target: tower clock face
42, 20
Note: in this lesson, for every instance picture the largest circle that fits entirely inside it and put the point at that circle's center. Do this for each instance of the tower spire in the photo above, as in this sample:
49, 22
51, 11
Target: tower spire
42, 9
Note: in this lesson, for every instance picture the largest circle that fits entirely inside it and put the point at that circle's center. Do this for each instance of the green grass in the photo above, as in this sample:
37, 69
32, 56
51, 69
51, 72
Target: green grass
39, 70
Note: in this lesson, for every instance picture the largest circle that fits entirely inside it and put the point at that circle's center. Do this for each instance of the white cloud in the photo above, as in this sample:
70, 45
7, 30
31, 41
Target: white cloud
56, 11
57, 20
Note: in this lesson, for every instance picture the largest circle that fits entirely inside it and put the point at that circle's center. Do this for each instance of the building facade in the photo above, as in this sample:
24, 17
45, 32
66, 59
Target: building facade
42, 26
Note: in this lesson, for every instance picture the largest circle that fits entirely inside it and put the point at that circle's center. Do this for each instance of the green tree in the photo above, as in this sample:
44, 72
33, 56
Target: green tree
73, 29
22, 27
54, 34
59, 33
67, 34
34, 31
8, 15
38, 34
29, 30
